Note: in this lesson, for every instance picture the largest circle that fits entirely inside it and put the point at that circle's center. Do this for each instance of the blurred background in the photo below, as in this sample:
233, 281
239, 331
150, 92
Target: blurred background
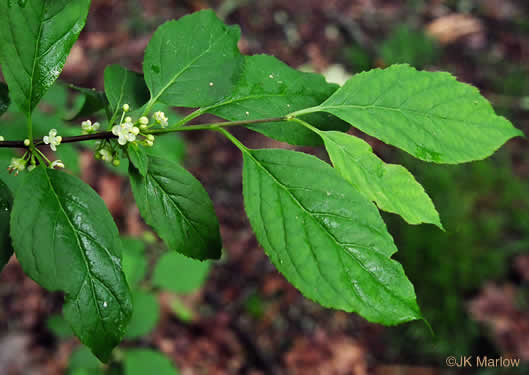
239, 315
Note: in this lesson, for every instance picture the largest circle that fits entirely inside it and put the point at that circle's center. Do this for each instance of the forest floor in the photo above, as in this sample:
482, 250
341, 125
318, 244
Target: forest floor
288, 334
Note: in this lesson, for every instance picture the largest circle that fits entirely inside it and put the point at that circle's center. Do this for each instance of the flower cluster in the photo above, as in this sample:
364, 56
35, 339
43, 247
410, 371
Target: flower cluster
17, 165
88, 127
126, 131
52, 139
161, 119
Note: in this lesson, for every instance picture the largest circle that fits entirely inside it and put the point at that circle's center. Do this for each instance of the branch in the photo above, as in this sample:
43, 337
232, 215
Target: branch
109, 135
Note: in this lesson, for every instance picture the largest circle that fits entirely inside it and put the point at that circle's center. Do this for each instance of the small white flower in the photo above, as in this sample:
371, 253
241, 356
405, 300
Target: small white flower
106, 155
88, 127
17, 165
57, 163
143, 120
53, 139
161, 119
31, 167
26, 142
149, 143
1, 138
126, 132
126, 107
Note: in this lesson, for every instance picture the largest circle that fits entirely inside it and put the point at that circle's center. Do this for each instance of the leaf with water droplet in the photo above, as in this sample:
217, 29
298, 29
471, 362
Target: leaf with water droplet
76, 250
178, 69
35, 42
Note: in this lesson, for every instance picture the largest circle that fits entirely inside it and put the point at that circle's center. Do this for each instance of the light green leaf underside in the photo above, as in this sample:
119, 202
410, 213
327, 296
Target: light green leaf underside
66, 240
6, 202
178, 208
143, 361
432, 116
138, 158
36, 40
123, 86
83, 362
179, 274
134, 261
145, 316
325, 237
269, 88
192, 62
392, 187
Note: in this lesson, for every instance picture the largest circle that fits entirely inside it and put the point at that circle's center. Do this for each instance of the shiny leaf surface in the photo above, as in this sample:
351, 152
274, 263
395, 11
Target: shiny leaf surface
66, 240
36, 40
177, 207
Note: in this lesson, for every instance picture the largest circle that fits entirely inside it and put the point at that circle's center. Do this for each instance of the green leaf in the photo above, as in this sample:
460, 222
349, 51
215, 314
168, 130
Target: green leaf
192, 74
12, 181
406, 45
269, 88
83, 360
143, 361
6, 202
4, 98
138, 158
392, 187
123, 86
430, 115
179, 209
134, 261
69, 155
145, 315
179, 273
59, 327
35, 41
65, 239
325, 237
170, 146
93, 101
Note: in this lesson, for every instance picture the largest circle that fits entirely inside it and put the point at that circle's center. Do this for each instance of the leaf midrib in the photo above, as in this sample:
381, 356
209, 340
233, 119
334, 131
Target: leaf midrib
35, 57
186, 67
85, 260
394, 109
284, 187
